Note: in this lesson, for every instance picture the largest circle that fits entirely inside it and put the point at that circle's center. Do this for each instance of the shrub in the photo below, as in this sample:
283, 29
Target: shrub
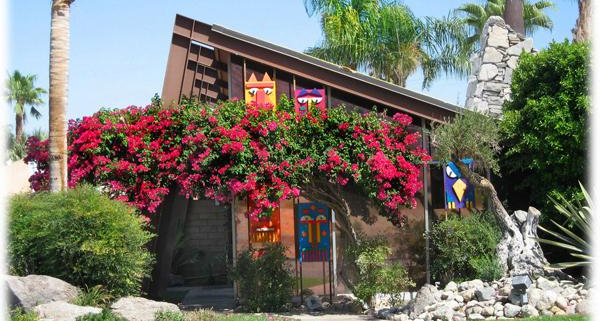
465, 248
80, 236
169, 316
545, 125
105, 315
95, 296
19, 314
265, 279
375, 274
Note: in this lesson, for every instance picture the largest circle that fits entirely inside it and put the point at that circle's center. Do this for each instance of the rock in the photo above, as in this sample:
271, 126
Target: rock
384, 314
451, 286
443, 312
582, 307
32, 290
534, 295
475, 316
557, 311
499, 313
561, 302
547, 300
491, 55
512, 62
546, 313
487, 72
326, 305
495, 87
459, 298
313, 303
468, 295
498, 37
547, 285
488, 311
447, 295
570, 309
400, 317
63, 311
511, 310
140, 309
354, 307
484, 293
425, 296
520, 216
529, 310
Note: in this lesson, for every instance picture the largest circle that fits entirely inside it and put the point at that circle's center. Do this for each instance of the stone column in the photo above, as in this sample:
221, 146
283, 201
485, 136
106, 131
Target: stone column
492, 66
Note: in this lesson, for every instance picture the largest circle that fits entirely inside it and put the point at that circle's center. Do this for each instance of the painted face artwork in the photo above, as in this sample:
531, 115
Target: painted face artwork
309, 97
313, 232
262, 92
266, 229
459, 192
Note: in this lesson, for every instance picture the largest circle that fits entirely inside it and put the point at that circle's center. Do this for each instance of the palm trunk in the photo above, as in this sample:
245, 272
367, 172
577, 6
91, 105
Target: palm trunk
583, 25
59, 73
513, 15
18, 128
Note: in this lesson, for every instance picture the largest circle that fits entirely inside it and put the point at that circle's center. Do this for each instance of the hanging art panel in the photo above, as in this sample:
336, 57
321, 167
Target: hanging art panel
459, 192
303, 98
266, 229
313, 232
261, 92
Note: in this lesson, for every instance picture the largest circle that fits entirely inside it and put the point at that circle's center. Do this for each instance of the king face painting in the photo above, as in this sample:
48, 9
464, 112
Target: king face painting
313, 230
459, 192
262, 92
266, 229
303, 98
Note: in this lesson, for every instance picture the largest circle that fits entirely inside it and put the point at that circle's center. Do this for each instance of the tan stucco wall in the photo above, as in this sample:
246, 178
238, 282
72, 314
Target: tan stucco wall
17, 177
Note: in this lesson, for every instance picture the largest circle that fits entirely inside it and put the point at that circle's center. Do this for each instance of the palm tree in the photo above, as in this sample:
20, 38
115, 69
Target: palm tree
21, 91
385, 39
59, 74
583, 25
534, 17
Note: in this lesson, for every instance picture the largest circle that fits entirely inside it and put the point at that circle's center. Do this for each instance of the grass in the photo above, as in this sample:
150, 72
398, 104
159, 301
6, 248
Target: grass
208, 315
19, 314
559, 318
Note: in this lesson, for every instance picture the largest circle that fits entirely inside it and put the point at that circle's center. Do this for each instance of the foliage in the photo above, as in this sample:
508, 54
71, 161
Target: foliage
238, 150
105, 315
476, 15
469, 135
572, 233
386, 39
464, 248
265, 279
21, 90
208, 315
95, 296
17, 149
80, 236
375, 274
19, 314
545, 122
169, 316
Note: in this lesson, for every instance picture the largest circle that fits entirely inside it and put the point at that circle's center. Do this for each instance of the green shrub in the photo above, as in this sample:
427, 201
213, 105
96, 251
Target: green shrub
545, 124
19, 314
95, 296
465, 248
105, 315
375, 273
168, 316
265, 281
80, 236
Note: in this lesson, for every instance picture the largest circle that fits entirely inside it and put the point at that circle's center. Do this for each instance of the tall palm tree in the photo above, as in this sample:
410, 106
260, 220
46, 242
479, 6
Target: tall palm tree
476, 14
21, 91
385, 39
583, 26
59, 75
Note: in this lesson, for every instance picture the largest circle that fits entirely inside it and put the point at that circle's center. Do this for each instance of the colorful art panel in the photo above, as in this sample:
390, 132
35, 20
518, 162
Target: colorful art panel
266, 229
261, 92
459, 192
303, 98
313, 232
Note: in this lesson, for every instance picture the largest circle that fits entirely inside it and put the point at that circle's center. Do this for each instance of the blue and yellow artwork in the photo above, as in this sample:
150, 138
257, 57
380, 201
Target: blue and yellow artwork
313, 232
459, 192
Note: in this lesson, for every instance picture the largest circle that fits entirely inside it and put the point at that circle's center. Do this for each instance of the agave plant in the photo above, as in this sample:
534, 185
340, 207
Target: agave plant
579, 219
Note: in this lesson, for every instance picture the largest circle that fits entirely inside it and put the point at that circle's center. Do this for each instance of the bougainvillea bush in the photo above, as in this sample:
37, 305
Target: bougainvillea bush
235, 150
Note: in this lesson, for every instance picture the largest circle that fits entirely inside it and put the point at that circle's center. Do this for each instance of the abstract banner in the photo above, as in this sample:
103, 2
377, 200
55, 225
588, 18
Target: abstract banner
266, 229
262, 92
309, 97
459, 192
313, 232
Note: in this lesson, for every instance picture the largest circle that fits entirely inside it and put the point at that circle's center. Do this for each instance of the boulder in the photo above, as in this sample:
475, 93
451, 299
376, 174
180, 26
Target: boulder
451, 286
488, 72
534, 295
484, 293
561, 302
33, 290
547, 285
511, 310
140, 309
63, 311
582, 307
475, 316
425, 297
529, 310
557, 311
547, 300
313, 303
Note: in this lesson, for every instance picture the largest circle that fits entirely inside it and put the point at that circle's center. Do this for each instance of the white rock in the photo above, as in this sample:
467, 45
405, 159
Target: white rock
488, 72
529, 310
498, 37
557, 311
582, 307
451, 286
32, 290
561, 302
534, 295
546, 313
63, 311
140, 309
520, 215
547, 285
447, 295
488, 311
512, 62
485, 293
475, 316
511, 310
547, 300
459, 298
491, 55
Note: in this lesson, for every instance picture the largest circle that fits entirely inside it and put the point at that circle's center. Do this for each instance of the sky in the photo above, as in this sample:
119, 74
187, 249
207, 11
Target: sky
119, 49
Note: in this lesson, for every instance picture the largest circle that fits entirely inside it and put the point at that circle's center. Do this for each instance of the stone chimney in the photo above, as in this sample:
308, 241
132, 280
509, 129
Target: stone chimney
493, 65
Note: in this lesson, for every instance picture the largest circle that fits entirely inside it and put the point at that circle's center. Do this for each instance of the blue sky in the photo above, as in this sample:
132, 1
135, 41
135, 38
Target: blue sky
119, 48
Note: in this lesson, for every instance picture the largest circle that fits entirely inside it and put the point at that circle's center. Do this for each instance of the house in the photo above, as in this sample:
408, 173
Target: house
198, 238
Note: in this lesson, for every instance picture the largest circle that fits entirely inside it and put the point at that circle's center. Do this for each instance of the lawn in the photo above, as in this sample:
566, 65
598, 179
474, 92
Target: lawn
559, 318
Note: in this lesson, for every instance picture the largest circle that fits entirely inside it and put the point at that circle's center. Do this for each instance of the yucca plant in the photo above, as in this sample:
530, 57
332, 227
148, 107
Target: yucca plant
579, 219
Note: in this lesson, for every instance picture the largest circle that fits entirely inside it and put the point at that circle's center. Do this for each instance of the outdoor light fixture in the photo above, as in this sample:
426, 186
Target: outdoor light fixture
518, 293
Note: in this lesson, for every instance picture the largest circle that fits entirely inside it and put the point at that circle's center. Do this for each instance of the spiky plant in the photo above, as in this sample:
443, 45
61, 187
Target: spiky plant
578, 220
